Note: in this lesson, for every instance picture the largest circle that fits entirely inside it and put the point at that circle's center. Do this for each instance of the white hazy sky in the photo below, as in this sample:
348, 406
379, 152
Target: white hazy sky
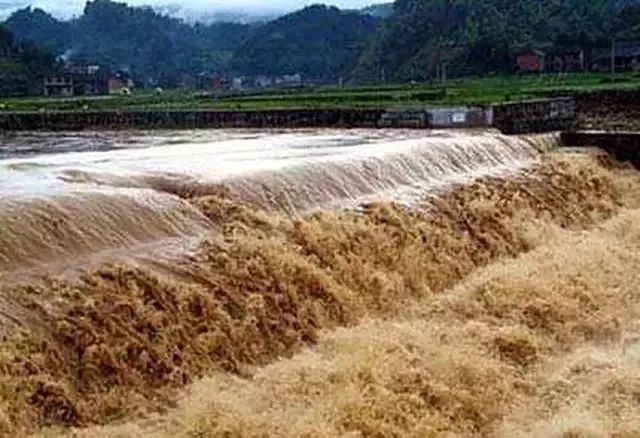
66, 8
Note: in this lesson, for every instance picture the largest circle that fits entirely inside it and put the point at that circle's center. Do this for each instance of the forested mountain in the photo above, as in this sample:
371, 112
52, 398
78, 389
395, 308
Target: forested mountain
22, 64
479, 37
469, 37
38, 26
319, 42
151, 45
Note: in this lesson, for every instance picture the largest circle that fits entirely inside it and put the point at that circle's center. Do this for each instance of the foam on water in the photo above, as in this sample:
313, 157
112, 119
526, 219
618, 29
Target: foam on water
70, 194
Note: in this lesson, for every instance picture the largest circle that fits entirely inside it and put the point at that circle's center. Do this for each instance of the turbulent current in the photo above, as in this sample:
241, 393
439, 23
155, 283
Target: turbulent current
317, 283
73, 195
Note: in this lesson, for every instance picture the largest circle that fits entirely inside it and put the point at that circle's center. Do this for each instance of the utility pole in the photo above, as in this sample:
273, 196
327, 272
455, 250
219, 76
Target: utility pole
613, 56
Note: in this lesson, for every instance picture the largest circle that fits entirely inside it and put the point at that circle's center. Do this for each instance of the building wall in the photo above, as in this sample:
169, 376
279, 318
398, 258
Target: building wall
624, 146
116, 86
63, 91
58, 86
75, 84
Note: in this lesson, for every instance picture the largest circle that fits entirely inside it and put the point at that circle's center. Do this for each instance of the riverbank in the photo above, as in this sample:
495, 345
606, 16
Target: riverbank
462, 92
601, 101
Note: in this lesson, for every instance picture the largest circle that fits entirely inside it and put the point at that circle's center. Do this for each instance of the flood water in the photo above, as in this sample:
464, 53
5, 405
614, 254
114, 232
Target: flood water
67, 194
35, 163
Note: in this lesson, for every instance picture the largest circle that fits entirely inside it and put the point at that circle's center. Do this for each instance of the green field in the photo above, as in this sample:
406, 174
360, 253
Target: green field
454, 92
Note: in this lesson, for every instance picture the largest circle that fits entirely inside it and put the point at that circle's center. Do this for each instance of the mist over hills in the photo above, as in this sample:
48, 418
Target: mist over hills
381, 10
208, 16
191, 10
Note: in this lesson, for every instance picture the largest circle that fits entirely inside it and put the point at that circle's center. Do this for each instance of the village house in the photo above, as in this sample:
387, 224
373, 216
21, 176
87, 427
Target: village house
626, 56
284, 81
212, 82
237, 84
85, 80
219, 82
263, 81
556, 61
565, 60
76, 80
289, 81
58, 85
531, 62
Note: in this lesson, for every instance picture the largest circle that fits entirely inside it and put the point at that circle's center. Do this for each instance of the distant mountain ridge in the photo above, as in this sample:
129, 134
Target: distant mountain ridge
322, 43
404, 41
319, 42
153, 46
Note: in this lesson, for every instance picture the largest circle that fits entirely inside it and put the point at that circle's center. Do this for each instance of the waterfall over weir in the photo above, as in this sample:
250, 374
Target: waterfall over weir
66, 200
404, 171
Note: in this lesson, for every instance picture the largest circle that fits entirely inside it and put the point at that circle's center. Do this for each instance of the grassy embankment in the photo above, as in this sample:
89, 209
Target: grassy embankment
469, 91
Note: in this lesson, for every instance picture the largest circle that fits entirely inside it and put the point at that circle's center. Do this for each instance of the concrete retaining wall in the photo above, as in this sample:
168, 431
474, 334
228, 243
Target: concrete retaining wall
624, 146
535, 116
78, 120
515, 118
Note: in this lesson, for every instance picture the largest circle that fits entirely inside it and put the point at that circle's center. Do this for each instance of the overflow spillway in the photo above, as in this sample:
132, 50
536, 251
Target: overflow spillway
70, 204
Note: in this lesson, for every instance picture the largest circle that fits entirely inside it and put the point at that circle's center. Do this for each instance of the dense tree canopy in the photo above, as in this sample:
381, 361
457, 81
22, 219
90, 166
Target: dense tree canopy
149, 44
22, 65
479, 37
468, 37
319, 42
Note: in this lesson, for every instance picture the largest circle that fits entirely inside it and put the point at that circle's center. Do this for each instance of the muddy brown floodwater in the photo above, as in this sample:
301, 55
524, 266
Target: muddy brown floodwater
316, 283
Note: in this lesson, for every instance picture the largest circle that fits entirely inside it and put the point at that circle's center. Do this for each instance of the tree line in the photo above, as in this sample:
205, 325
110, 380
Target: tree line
469, 37
409, 40
22, 65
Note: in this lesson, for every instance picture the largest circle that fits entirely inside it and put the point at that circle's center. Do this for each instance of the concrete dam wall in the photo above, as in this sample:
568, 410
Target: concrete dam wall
623, 146
531, 116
